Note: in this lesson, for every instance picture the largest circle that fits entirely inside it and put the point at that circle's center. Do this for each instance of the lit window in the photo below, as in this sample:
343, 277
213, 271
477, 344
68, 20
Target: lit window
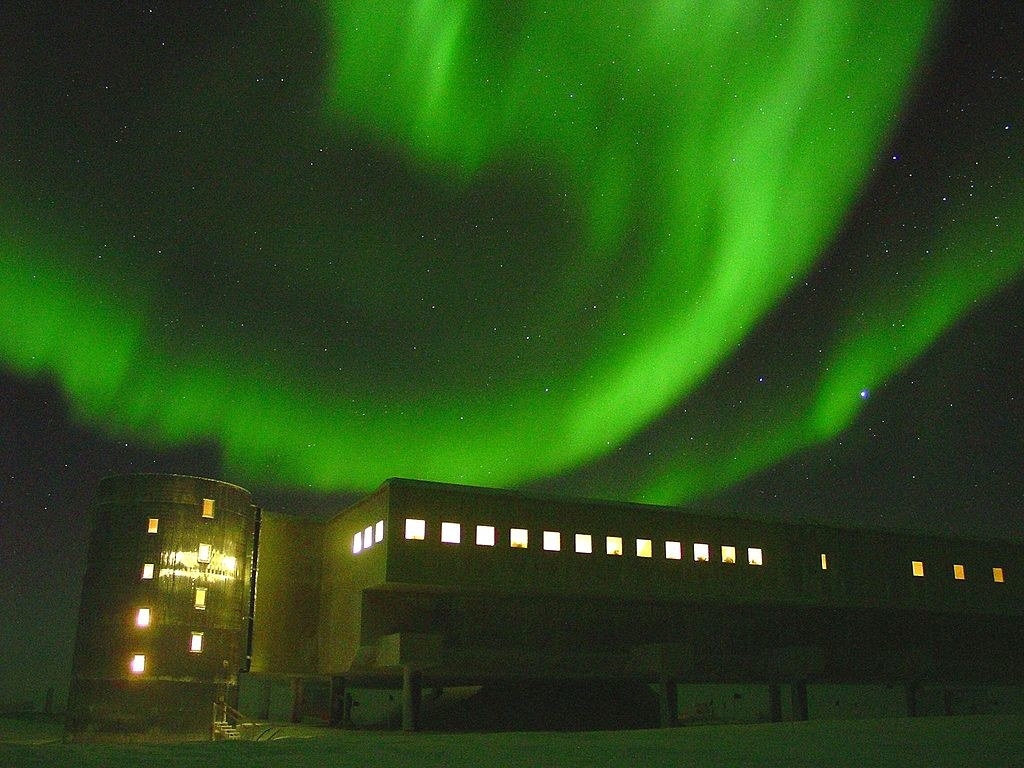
673, 550
701, 553
518, 538
228, 564
552, 541
451, 533
142, 618
754, 556
378, 532
997, 575
208, 509
147, 571
728, 554
415, 529
138, 664
824, 561
643, 547
357, 543
196, 644
204, 553
958, 572
485, 535
917, 568
200, 598
613, 545
154, 525
584, 543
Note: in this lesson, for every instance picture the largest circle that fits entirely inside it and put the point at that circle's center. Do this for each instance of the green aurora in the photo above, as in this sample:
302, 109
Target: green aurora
459, 242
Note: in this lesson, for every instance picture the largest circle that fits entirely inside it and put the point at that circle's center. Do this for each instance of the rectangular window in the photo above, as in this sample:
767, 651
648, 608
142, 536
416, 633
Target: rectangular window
147, 571
485, 535
142, 618
673, 550
138, 664
958, 572
584, 543
415, 529
208, 509
643, 548
997, 575
552, 541
200, 601
451, 533
357, 543
701, 553
518, 538
196, 644
613, 545
204, 553
378, 532
368, 537
824, 561
154, 525
728, 554
917, 567
755, 556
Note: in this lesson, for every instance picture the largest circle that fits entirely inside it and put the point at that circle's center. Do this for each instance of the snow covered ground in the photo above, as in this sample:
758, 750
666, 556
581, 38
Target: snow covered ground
986, 740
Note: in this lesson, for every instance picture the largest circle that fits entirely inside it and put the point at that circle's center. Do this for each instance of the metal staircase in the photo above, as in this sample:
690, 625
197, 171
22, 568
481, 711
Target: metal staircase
226, 722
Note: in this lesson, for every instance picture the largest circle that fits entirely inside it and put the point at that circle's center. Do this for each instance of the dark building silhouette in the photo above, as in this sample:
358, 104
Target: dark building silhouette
425, 586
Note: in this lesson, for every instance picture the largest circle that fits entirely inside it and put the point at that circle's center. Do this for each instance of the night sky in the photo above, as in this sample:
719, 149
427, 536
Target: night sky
767, 263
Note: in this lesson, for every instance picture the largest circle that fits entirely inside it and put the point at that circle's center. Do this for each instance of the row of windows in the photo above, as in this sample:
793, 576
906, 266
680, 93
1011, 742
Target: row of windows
207, 507
137, 664
582, 543
366, 538
144, 616
959, 572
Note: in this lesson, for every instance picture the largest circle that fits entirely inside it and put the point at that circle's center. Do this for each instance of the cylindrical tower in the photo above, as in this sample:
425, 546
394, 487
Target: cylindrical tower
163, 626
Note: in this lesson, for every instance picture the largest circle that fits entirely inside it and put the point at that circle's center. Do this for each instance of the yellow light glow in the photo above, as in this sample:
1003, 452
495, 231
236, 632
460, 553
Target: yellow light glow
755, 556
917, 568
997, 576
200, 602
137, 664
728, 554
415, 529
701, 553
958, 572
673, 550
485, 535
613, 545
228, 564
142, 618
154, 525
552, 541
378, 532
519, 538
584, 543
357, 542
208, 509
451, 533
643, 548
203, 554
824, 561
196, 644
147, 571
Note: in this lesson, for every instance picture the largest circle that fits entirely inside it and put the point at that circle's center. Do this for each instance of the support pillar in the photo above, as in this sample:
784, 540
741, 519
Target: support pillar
799, 699
298, 699
774, 703
911, 691
412, 697
339, 714
668, 704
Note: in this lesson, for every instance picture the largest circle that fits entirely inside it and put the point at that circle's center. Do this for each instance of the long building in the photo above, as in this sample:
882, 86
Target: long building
194, 597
